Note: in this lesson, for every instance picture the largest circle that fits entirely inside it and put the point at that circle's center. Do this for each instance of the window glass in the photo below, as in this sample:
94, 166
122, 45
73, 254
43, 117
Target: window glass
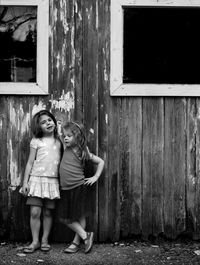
161, 45
18, 38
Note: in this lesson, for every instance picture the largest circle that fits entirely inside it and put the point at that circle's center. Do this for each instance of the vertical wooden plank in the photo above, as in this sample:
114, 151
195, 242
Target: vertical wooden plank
130, 166
90, 90
196, 234
191, 164
135, 165
62, 59
174, 166
102, 25
78, 50
113, 187
18, 150
152, 167
24, 135
4, 196
193, 150
124, 173
13, 151
62, 73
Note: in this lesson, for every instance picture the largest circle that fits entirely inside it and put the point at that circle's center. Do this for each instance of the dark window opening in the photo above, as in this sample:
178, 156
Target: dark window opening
18, 38
161, 45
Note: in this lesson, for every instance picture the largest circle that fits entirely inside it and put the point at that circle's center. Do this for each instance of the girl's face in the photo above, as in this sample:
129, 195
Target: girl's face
47, 124
69, 138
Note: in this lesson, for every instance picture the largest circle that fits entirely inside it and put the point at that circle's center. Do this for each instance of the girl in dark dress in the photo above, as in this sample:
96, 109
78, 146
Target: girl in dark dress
75, 188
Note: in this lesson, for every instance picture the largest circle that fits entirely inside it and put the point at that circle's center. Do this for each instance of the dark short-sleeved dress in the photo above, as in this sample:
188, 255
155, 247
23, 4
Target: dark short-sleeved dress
76, 198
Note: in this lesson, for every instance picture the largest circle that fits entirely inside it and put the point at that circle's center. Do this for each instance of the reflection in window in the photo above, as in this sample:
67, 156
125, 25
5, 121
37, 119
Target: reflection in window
18, 38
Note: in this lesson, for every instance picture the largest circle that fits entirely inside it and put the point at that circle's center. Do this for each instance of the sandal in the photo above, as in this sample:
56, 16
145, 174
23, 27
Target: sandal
72, 250
45, 247
89, 241
31, 248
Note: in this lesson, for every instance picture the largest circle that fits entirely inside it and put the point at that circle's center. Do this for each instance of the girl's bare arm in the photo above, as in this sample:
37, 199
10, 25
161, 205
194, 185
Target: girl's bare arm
28, 168
100, 165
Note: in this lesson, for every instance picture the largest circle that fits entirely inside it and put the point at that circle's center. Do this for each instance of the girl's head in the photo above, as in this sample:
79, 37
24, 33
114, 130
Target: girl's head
44, 123
74, 136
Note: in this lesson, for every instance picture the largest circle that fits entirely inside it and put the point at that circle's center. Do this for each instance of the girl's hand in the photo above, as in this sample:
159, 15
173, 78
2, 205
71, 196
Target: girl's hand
25, 189
90, 181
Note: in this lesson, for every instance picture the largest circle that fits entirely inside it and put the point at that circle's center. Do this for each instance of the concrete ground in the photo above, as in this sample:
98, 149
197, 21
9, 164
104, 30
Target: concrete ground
126, 253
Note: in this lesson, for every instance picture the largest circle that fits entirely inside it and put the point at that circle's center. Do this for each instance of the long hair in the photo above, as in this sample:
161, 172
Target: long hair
79, 134
35, 126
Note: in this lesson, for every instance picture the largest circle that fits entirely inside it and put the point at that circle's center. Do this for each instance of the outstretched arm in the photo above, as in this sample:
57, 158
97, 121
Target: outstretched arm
100, 165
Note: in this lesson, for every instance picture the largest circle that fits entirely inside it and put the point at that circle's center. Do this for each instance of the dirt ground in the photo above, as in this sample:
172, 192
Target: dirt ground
126, 253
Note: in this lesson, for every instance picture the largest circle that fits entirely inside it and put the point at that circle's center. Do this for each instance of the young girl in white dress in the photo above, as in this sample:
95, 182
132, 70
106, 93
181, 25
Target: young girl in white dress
40, 181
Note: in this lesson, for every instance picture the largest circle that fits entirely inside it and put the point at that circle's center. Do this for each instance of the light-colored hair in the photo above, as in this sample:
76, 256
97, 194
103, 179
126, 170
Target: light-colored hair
79, 134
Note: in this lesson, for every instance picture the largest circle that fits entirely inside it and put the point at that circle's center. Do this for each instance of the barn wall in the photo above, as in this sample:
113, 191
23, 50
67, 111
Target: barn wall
150, 185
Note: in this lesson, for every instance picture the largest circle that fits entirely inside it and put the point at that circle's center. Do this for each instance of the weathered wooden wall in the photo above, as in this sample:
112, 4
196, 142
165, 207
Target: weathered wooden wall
151, 183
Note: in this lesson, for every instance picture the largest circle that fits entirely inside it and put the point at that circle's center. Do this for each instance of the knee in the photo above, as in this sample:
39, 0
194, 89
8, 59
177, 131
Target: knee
35, 213
47, 212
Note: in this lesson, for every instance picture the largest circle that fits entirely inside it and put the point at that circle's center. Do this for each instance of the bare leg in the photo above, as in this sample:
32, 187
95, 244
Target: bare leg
78, 229
77, 238
47, 224
88, 237
35, 212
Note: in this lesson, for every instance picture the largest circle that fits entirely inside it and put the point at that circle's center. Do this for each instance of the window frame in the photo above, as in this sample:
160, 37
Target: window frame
117, 87
40, 87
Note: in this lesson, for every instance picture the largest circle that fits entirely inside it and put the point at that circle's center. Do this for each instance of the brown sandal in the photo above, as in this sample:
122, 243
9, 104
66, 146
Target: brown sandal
89, 241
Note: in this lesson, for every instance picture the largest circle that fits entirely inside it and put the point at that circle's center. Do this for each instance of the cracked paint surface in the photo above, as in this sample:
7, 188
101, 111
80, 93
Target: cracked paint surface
65, 102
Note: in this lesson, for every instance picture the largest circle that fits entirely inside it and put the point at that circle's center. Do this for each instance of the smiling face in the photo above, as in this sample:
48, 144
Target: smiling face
69, 138
47, 125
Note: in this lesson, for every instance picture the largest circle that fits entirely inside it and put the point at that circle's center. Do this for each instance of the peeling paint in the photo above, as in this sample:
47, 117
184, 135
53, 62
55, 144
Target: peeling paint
57, 60
65, 102
15, 180
72, 46
105, 75
63, 16
59, 127
55, 15
198, 113
63, 57
191, 179
72, 82
97, 17
24, 120
13, 117
38, 107
106, 118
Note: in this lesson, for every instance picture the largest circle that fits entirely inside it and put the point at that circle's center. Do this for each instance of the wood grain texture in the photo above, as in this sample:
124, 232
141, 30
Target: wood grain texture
174, 167
4, 190
152, 167
150, 145
192, 183
102, 23
90, 91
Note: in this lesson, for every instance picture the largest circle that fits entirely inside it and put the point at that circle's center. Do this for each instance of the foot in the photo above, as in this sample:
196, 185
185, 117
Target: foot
89, 241
73, 248
32, 247
45, 247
